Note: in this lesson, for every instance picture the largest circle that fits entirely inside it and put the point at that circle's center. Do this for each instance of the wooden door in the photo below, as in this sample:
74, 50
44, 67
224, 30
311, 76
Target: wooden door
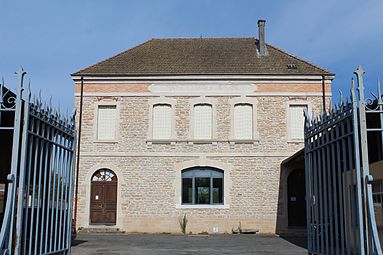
103, 202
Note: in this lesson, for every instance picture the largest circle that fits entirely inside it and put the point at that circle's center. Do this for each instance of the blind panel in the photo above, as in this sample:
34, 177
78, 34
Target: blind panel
243, 121
106, 128
297, 121
203, 121
162, 121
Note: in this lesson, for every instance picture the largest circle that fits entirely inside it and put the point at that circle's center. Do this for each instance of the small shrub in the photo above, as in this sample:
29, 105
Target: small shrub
183, 223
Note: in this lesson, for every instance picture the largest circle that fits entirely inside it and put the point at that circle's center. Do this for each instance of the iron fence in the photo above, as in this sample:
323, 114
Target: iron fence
340, 213
38, 211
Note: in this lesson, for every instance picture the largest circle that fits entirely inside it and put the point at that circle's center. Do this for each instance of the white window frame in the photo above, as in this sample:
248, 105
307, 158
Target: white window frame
162, 101
107, 102
203, 162
249, 101
209, 101
288, 123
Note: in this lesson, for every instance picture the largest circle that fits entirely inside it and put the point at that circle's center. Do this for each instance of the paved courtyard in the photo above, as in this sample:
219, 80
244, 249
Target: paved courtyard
163, 244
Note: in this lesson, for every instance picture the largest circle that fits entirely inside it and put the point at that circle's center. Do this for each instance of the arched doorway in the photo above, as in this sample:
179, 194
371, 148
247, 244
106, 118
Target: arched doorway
296, 193
103, 201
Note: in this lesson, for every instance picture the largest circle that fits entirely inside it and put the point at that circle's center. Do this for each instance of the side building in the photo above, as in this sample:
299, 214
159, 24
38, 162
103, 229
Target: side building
196, 127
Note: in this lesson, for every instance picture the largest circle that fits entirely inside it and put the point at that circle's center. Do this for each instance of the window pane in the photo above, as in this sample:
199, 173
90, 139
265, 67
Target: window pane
187, 191
376, 187
203, 121
217, 191
297, 121
162, 121
202, 190
106, 122
243, 121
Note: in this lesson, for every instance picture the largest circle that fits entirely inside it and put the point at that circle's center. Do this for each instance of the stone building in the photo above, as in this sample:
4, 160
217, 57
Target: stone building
196, 127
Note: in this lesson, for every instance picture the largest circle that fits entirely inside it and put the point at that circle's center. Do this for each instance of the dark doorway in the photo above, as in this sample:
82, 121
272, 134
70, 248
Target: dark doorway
103, 202
296, 199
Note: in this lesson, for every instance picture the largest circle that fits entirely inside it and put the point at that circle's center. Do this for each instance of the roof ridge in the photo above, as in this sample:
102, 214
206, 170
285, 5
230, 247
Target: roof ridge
107, 59
300, 59
203, 38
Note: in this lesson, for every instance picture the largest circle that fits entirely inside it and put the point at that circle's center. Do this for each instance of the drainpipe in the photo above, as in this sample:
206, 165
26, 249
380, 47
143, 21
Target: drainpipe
323, 93
78, 152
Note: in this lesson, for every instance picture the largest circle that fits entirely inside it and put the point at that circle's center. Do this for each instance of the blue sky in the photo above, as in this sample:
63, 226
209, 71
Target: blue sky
52, 39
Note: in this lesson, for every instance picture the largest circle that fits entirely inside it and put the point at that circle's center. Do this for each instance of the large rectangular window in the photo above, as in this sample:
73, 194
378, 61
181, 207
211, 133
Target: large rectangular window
243, 121
162, 121
203, 121
296, 121
106, 122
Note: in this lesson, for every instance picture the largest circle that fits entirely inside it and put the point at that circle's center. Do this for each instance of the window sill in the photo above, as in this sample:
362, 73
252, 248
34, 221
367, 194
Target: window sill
105, 141
201, 141
247, 141
296, 141
178, 206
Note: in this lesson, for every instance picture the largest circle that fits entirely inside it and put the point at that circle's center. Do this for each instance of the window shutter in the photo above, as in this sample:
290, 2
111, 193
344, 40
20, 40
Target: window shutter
106, 128
243, 121
162, 121
297, 121
203, 121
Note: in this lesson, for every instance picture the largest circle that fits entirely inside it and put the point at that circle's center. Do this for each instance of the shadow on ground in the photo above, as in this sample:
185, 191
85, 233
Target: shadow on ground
298, 241
77, 242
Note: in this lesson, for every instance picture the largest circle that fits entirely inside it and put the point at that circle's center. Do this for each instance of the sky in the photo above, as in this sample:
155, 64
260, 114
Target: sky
52, 39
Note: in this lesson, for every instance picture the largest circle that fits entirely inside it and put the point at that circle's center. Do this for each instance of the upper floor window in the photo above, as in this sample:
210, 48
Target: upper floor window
106, 122
243, 121
202, 185
296, 121
203, 121
162, 121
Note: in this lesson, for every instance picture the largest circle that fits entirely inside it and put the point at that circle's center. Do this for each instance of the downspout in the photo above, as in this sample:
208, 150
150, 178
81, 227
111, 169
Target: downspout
323, 93
78, 153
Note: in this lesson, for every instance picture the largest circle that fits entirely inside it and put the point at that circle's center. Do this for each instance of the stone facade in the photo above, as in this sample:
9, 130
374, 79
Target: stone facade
149, 171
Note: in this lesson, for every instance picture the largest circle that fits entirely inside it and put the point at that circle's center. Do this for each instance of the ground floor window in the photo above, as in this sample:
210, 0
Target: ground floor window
202, 185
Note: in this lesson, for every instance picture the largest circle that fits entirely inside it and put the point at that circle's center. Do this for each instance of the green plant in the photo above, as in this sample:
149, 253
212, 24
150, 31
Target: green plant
203, 233
183, 223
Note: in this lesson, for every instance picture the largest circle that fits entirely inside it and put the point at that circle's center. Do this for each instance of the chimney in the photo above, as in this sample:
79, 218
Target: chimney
262, 50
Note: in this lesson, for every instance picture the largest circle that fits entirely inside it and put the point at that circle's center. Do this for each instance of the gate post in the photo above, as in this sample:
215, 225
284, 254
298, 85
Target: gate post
369, 219
21, 195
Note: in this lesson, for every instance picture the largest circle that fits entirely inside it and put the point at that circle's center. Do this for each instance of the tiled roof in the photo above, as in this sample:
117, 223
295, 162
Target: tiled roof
201, 56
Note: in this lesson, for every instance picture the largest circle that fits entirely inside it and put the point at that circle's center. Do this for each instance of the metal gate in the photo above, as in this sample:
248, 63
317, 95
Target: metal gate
340, 212
38, 212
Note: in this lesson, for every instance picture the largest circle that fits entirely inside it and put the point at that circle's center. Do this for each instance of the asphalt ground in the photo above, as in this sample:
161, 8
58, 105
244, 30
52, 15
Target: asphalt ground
163, 244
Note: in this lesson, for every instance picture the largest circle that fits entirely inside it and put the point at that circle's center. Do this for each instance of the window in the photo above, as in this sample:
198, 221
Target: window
106, 122
162, 121
202, 185
377, 191
203, 121
243, 121
104, 175
296, 121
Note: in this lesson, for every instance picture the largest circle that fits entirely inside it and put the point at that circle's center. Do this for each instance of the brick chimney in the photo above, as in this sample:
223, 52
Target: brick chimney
262, 50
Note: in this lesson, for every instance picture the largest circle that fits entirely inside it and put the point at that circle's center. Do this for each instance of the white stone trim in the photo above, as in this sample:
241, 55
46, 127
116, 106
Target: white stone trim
195, 94
203, 162
120, 182
203, 100
111, 102
243, 100
184, 154
287, 121
162, 100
